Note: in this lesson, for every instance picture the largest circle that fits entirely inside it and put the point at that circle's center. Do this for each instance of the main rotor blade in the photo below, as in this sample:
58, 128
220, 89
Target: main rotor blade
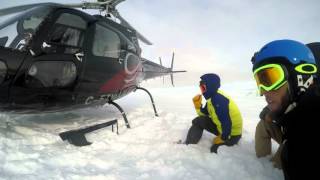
125, 23
75, 5
114, 3
17, 9
87, 5
96, 5
143, 39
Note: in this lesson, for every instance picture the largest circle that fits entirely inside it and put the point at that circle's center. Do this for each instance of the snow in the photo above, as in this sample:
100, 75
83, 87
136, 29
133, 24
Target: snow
30, 147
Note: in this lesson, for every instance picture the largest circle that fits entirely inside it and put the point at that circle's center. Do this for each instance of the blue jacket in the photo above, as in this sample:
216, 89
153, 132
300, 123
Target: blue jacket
220, 108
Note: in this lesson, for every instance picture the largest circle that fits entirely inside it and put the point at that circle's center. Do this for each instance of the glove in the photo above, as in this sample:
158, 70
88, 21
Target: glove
218, 140
266, 115
197, 101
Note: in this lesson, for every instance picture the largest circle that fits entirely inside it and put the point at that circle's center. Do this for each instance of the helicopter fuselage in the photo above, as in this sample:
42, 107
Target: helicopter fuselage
54, 58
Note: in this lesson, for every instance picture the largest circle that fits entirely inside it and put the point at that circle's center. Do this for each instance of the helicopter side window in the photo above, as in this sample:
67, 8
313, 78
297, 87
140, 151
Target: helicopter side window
67, 34
106, 43
64, 35
3, 41
20, 28
10, 33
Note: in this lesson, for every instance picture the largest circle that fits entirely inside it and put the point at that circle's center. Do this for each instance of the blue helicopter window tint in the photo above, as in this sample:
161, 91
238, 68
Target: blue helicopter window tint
3, 71
106, 43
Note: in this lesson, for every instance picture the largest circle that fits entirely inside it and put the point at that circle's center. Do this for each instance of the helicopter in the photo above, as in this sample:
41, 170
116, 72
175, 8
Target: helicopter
56, 57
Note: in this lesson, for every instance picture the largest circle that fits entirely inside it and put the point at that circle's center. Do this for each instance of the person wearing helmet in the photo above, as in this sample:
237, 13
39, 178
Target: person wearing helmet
268, 129
285, 72
220, 115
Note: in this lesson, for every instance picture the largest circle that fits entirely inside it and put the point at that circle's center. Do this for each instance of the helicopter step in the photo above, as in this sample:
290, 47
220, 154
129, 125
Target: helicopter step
77, 136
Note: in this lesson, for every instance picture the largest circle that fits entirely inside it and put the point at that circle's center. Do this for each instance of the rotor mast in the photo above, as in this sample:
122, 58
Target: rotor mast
109, 7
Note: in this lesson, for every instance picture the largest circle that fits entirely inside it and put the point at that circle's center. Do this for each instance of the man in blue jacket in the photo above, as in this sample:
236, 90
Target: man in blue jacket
220, 115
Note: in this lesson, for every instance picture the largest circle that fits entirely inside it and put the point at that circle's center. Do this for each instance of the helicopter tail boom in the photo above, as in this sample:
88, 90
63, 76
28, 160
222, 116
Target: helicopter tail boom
152, 70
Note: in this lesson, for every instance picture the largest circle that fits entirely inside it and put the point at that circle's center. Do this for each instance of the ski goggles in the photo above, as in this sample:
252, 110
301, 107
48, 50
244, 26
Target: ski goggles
269, 77
203, 87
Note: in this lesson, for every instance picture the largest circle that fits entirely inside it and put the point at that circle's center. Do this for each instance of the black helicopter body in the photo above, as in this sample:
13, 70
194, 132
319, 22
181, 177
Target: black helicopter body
55, 58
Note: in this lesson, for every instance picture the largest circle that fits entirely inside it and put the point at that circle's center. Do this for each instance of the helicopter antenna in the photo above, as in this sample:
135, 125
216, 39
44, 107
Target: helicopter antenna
109, 7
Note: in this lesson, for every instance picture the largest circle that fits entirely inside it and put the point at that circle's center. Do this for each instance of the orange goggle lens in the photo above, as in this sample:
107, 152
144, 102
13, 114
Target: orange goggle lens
269, 77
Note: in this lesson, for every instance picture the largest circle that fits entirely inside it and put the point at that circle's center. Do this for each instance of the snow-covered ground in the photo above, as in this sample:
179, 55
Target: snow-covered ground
30, 147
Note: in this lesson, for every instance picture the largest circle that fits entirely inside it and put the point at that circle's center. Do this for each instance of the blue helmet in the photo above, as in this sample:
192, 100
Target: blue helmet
291, 52
295, 57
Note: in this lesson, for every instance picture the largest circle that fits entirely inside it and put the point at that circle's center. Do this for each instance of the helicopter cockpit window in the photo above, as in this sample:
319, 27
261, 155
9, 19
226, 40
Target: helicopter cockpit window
19, 28
67, 34
106, 43
64, 35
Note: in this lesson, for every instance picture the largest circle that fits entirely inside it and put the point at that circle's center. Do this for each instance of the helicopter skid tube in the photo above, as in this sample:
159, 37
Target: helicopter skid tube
77, 136
153, 104
122, 113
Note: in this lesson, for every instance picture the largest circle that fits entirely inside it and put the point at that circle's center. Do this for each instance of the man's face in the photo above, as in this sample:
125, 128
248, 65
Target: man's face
203, 87
277, 99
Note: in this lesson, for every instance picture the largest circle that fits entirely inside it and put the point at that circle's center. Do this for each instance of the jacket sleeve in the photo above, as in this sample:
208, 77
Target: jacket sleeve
202, 111
221, 105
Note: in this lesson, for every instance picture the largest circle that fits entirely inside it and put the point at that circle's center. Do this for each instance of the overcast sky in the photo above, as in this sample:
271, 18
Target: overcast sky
213, 35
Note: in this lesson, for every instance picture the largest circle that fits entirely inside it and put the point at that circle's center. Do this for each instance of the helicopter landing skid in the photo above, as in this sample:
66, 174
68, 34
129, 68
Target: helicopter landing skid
153, 105
122, 113
77, 136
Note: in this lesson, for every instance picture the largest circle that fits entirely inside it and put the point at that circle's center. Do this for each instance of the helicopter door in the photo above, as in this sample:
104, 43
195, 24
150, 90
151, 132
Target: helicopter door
103, 72
53, 74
